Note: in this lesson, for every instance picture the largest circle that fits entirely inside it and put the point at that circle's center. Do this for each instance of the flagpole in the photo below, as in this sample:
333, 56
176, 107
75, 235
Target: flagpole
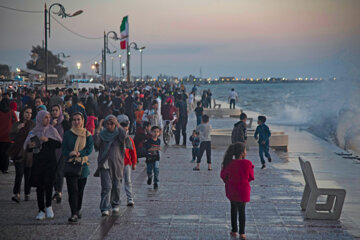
128, 53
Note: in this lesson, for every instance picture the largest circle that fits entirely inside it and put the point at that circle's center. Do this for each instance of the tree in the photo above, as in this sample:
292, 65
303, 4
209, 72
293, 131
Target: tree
4, 71
55, 64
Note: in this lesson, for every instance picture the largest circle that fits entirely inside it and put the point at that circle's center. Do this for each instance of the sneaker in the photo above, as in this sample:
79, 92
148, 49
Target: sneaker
263, 166
49, 212
192, 161
156, 186
149, 181
16, 198
79, 215
116, 210
269, 159
233, 234
105, 213
27, 198
40, 216
130, 204
73, 218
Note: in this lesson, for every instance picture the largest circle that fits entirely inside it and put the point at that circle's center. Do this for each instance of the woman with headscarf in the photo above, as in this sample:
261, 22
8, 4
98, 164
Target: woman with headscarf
110, 142
61, 125
22, 159
43, 140
7, 119
77, 146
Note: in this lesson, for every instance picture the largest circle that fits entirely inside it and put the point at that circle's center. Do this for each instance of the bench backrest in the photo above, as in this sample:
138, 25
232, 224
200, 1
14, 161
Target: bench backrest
308, 173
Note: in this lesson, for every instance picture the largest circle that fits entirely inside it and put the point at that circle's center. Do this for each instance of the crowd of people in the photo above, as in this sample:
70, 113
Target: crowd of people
49, 136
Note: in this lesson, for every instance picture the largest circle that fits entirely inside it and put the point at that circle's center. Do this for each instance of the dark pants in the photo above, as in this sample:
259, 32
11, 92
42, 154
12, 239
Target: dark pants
4, 157
20, 171
198, 120
59, 180
238, 207
76, 188
180, 126
194, 152
45, 190
232, 103
264, 148
205, 146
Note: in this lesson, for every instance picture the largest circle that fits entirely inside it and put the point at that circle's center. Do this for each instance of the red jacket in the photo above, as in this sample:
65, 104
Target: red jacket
6, 121
237, 176
130, 155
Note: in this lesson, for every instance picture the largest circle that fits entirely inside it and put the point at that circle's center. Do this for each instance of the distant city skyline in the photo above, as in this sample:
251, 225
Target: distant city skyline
265, 38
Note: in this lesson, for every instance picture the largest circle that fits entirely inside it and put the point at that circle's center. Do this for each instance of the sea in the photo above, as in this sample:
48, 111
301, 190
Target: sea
313, 106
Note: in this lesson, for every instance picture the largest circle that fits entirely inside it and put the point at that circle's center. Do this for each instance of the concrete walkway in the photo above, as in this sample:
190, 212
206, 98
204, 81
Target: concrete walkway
187, 205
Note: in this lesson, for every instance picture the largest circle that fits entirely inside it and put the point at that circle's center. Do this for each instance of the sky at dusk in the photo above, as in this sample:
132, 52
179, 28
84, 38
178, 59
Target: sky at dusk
241, 38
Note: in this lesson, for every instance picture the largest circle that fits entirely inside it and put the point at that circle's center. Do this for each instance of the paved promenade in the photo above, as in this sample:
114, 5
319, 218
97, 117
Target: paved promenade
187, 205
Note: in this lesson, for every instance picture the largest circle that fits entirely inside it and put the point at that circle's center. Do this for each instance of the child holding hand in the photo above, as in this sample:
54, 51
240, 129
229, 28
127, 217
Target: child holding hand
237, 172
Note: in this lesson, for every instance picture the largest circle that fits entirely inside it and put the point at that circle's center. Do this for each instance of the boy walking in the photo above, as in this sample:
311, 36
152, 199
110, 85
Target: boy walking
264, 134
152, 147
195, 140
204, 130
239, 132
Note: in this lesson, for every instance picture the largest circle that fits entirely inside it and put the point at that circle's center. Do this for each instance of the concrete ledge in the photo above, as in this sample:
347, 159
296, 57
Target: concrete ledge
222, 137
222, 112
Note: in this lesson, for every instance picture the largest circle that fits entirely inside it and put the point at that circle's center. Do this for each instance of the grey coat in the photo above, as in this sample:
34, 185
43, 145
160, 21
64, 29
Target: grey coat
114, 159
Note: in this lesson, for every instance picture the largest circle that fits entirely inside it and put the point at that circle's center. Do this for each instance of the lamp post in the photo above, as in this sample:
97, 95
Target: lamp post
47, 18
78, 65
123, 69
134, 46
112, 68
141, 51
107, 50
120, 66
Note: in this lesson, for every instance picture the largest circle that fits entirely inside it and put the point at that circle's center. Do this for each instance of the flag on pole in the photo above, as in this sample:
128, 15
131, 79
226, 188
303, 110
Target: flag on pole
124, 32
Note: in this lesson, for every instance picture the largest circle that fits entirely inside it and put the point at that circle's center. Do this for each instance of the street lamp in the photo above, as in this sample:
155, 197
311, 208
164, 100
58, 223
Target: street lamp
141, 51
120, 66
107, 50
78, 65
112, 68
123, 69
47, 16
128, 57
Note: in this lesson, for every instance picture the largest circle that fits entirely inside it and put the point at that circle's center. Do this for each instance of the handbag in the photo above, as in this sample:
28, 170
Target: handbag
73, 169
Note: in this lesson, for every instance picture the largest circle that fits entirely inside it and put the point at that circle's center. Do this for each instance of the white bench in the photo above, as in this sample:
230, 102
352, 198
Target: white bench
331, 209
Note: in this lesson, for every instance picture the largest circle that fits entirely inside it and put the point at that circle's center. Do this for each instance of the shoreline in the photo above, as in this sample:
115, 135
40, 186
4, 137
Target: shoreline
330, 169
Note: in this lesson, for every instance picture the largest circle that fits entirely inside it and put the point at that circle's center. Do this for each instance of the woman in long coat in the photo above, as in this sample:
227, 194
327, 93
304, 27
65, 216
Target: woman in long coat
42, 141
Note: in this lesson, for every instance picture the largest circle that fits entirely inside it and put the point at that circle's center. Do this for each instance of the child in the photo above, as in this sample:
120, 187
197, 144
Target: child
264, 134
91, 122
237, 174
142, 134
195, 140
199, 112
152, 147
139, 114
239, 133
130, 161
204, 130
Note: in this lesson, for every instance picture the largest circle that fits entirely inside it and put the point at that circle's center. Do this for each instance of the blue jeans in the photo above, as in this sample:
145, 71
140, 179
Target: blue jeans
153, 166
194, 152
198, 120
110, 191
127, 183
264, 148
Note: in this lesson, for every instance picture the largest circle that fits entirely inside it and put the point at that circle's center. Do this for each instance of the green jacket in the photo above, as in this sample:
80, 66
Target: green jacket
68, 146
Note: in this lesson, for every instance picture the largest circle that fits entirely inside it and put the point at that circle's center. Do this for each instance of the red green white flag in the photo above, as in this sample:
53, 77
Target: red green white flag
124, 32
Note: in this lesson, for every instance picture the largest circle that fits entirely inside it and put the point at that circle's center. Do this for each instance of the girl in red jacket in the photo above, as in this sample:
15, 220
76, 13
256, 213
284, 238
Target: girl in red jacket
237, 172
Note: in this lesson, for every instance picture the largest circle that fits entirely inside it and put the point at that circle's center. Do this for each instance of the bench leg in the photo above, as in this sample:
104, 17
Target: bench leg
311, 207
305, 197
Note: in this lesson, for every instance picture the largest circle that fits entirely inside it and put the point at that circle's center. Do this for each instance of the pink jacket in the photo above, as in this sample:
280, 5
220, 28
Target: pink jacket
237, 176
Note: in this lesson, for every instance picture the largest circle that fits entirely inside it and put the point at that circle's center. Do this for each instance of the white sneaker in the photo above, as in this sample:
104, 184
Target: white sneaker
105, 213
49, 212
40, 216
116, 209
